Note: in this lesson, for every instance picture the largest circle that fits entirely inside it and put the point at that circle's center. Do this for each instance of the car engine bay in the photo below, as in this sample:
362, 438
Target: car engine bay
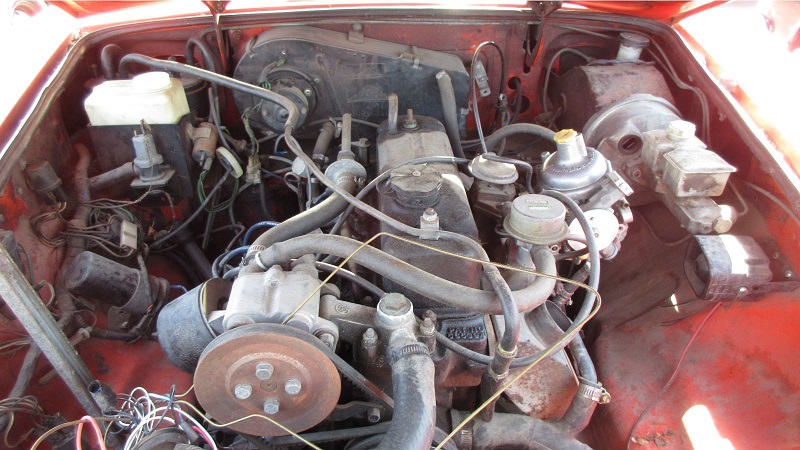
390, 232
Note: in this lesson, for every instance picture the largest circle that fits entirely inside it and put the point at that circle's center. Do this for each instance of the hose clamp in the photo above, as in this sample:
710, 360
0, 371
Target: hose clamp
408, 350
252, 253
593, 391
510, 354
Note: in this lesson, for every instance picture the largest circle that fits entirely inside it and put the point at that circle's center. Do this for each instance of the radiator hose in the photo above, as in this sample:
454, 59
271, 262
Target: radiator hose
414, 419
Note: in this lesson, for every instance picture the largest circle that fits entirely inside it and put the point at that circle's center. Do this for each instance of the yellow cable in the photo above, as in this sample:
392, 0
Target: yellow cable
438, 250
328, 278
251, 416
558, 344
191, 388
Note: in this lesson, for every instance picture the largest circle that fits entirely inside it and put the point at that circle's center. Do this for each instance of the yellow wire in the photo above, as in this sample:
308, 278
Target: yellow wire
191, 388
328, 278
558, 344
438, 250
251, 416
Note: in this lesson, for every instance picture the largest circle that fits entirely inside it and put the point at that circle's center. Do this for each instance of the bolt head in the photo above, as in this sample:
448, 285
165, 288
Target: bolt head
743, 290
328, 339
788, 274
242, 391
264, 371
272, 406
373, 415
293, 386
722, 225
394, 304
307, 92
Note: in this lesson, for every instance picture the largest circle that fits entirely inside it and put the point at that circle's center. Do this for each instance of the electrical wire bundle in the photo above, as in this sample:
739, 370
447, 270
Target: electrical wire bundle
105, 222
12, 405
141, 413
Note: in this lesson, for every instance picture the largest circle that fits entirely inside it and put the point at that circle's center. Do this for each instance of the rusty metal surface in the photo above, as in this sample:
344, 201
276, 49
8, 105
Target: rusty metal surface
546, 391
232, 359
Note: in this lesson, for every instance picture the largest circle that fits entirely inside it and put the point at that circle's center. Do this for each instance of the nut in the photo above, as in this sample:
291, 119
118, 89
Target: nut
272, 406
293, 386
370, 338
242, 391
264, 371
427, 328
410, 122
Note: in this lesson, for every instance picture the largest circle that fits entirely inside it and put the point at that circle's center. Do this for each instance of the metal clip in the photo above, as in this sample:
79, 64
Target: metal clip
594, 391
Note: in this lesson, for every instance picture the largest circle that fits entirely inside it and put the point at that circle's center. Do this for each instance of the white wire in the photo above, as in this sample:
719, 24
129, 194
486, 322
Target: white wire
148, 416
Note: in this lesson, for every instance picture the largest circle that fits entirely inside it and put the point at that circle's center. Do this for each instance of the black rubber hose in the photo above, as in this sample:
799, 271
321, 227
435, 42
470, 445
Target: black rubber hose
511, 316
594, 255
414, 419
324, 140
305, 222
196, 256
211, 77
525, 166
112, 335
121, 174
107, 64
209, 61
586, 307
350, 276
519, 431
518, 128
420, 281
450, 112
581, 409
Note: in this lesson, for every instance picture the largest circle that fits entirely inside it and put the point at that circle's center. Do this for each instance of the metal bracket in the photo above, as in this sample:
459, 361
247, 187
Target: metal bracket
543, 9
356, 33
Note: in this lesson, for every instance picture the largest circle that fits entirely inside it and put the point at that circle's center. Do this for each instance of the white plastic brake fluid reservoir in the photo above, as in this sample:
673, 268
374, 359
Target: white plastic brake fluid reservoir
152, 96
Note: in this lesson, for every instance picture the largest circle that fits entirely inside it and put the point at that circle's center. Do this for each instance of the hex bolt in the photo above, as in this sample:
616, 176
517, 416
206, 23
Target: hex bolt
328, 339
242, 391
374, 415
293, 386
264, 371
394, 304
272, 406
743, 290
